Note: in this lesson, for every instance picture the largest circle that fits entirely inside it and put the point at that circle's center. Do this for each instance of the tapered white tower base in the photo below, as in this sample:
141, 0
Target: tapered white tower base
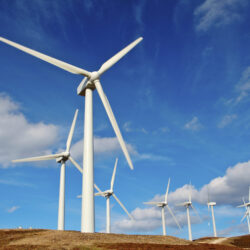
163, 221
88, 207
214, 226
108, 214
61, 205
189, 225
248, 222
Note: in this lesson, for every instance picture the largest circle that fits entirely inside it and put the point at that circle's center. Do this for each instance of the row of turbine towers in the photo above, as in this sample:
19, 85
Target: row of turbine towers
64, 156
90, 82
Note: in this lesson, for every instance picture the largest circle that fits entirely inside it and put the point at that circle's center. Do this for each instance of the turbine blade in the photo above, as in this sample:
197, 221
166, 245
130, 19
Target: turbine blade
151, 202
196, 212
63, 65
100, 194
208, 195
245, 215
97, 188
80, 169
166, 195
118, 56
249, 195
123, 207
244, 205
71, 132
76, 164
243, 199
181, 204
39, 158
113, 176
189, 192
170, 211
113, 121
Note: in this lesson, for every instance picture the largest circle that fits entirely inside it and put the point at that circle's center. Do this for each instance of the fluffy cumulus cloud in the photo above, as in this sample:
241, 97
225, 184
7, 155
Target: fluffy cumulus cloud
218, 13
102, 146
225, 191
19, 137
193, 125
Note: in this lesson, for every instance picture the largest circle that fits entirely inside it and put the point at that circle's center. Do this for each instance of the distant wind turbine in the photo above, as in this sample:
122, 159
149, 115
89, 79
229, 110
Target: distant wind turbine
188, 204
162, 205
247, 213
212, 204
90, 82
107, 194
60, 158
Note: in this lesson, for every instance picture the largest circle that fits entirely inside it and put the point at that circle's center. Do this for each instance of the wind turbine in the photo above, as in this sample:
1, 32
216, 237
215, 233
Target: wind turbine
247, 214
60, 158
212, 204
107, 194
188, 204
162, 205
90, 82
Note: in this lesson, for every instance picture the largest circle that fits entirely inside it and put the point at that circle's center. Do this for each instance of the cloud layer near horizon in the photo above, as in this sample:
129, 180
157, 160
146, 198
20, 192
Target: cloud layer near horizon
226, 191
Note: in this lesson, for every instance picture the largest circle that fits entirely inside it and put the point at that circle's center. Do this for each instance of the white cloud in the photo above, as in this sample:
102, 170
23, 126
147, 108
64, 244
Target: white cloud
106, 146
138, 9
13, 182
193, 125
149, 219
226, 191
218, 13
243, 86
127, 126
226, 120
12, 209
19, 137
102, 146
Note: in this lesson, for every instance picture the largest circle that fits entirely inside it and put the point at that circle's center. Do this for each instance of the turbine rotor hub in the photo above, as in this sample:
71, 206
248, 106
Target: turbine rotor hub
65, 156
94, 76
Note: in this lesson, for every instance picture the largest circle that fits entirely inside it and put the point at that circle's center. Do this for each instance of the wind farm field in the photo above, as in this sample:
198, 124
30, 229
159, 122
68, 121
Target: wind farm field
54, 239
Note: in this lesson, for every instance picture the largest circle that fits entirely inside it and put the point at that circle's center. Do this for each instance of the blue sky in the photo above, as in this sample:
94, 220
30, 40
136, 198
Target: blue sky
181, 99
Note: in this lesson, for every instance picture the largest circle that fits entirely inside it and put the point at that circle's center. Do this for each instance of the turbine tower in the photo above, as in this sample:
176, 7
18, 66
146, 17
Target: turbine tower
90, 82
60, 158
247, 213
107, 194
188, 204
212, 204
162, 205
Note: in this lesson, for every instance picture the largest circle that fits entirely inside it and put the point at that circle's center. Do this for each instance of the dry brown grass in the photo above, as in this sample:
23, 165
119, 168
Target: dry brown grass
53, 239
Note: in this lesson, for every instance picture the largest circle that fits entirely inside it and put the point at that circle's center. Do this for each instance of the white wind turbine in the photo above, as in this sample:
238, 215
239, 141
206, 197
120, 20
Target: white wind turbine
162, 205
247, 214
90, 82
107, 194
212, 204
60, 158
188, 204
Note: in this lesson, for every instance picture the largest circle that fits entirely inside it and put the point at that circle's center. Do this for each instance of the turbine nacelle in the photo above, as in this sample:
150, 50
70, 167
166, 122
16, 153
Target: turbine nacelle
65, 156
108, 193
188, 204
211, 203
161, 204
